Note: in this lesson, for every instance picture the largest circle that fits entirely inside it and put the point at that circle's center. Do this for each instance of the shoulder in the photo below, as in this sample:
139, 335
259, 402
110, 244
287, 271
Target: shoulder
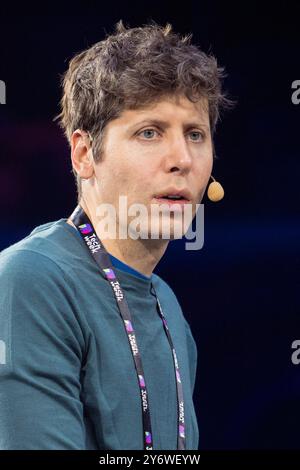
161, 286
167, 296
41, 255
30, 275
27, 267
165, 291
37, 300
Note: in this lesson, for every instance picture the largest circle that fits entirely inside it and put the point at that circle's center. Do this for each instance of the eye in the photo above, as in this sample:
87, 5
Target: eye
145, 133
201, 136
146, 130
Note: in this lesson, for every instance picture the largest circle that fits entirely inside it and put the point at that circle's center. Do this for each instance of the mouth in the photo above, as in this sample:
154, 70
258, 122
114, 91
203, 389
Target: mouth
173, 197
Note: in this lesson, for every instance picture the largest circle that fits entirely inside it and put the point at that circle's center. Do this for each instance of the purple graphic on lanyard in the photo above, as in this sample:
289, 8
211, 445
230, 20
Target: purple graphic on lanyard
178, 376
85, 228
148, 437
128, 326
142, 381
109, 273
181, 430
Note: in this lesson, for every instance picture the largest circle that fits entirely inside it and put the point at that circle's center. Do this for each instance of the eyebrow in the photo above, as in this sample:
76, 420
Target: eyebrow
165, 124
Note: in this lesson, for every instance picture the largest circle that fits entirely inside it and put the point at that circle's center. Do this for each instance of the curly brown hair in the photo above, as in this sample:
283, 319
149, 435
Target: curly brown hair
130, 69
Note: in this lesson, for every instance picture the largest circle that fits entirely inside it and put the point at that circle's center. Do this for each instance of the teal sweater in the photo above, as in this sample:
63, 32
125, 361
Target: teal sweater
67, 376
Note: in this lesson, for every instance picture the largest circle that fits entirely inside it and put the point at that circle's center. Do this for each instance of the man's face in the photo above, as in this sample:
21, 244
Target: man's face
144, 159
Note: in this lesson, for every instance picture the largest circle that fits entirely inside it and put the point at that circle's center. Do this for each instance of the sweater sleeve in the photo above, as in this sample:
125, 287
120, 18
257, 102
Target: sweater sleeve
41, 346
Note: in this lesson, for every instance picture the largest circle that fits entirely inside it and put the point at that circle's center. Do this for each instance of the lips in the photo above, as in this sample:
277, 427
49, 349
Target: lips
183, 196
171, 202
180, 195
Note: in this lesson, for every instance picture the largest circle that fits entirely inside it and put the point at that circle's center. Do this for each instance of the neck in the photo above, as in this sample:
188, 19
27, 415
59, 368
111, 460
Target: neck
141, 254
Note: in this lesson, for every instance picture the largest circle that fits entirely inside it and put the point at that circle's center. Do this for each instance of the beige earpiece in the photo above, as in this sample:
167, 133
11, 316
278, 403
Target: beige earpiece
215, 191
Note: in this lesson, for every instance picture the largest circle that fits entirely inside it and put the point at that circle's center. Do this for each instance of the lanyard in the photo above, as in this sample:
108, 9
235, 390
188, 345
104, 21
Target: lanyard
100, 255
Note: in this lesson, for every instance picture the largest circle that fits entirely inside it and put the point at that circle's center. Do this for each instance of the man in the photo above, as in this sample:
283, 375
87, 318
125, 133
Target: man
96, 352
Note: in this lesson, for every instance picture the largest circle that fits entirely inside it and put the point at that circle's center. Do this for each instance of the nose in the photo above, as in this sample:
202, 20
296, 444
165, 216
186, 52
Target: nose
179, 156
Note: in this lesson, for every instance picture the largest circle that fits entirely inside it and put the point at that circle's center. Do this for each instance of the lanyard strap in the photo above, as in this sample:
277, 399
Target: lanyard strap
100, 255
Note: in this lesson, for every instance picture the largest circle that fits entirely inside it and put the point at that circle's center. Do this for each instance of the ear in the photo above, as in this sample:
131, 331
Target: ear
81, 154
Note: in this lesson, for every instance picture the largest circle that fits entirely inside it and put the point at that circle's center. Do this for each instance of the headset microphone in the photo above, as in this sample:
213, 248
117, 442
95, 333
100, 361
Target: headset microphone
215, 191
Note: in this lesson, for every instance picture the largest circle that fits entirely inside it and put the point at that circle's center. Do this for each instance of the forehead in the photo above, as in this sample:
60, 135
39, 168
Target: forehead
172, 108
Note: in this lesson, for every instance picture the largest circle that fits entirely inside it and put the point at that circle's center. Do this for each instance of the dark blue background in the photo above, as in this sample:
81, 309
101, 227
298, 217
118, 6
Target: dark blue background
240, 292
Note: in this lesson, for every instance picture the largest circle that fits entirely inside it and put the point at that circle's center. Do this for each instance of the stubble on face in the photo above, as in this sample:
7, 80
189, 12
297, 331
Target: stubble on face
138, 170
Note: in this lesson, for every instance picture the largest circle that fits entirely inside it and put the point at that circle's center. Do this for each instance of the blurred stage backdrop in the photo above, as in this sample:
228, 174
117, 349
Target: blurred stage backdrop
240, 292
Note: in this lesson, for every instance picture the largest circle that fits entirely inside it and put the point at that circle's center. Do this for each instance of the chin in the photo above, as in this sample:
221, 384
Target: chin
168, 226
169, 229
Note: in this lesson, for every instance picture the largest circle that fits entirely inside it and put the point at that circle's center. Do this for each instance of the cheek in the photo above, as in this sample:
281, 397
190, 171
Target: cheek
119, 180
209, 168
202, 174
204, 166
136, 172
